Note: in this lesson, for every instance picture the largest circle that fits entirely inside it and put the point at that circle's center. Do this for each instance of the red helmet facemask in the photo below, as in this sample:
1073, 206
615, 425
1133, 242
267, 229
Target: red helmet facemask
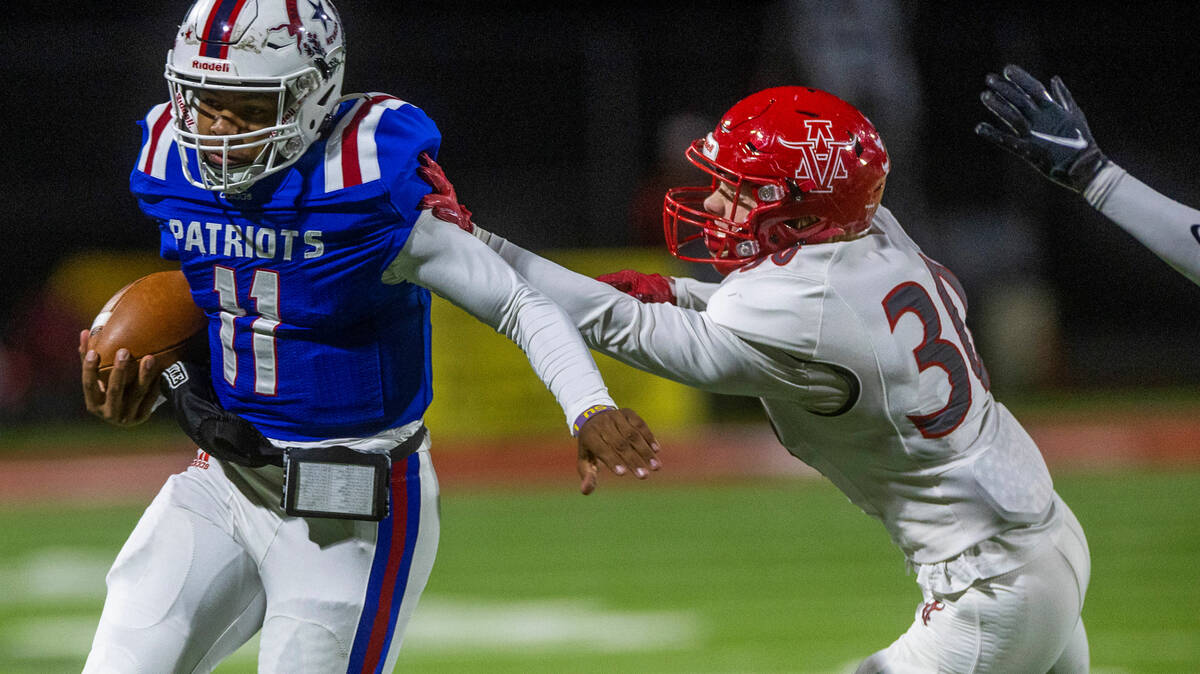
813, 165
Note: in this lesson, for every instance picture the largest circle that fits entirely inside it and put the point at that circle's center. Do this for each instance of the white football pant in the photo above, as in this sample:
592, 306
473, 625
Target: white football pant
210, 564
1027, 620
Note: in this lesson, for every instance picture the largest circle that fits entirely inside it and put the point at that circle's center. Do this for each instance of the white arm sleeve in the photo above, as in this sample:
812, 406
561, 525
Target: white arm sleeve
692, 294
461, 269
680, 344
1168, 228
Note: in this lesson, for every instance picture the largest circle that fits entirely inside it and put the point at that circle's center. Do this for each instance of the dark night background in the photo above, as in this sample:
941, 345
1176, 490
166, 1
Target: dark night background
553, 117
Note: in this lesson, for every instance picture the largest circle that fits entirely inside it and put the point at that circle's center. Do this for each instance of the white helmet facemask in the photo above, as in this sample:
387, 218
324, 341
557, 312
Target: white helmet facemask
264, 49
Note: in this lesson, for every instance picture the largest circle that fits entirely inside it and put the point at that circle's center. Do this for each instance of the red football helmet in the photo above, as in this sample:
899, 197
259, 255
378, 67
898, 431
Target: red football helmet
813, 165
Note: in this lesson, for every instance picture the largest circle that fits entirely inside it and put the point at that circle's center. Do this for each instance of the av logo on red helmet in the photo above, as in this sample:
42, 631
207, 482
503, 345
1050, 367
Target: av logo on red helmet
821, 157
812, 165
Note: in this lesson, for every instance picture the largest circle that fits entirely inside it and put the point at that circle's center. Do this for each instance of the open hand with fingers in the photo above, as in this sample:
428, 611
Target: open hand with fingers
128, 395
619, 439
1048, 131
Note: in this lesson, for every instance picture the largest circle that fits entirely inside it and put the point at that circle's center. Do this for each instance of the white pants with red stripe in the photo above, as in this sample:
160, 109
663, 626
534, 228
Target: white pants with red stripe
213, 561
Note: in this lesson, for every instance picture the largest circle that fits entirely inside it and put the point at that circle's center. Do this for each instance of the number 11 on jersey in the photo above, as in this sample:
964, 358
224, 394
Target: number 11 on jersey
264, 292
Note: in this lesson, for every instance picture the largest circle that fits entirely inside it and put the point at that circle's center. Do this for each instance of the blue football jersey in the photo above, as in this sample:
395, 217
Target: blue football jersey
306, 342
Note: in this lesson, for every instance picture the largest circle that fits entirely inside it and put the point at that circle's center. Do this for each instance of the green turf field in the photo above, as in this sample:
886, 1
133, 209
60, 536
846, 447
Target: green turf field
765, 577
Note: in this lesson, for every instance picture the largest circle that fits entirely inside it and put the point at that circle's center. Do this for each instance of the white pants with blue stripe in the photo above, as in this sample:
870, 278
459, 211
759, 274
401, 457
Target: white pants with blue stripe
214, 560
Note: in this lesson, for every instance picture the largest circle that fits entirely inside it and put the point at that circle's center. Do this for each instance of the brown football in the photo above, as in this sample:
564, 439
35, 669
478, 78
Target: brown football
153, 315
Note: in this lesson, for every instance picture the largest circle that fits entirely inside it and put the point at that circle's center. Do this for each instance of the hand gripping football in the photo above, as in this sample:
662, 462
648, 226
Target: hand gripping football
153, 315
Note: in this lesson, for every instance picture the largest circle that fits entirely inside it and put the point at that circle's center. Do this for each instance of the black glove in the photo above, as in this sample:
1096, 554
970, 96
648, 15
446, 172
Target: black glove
199, 413
1048, 132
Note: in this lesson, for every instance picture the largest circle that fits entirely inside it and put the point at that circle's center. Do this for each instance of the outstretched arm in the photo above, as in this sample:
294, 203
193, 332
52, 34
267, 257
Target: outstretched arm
680, 344
651, 334
464, 271
680, 291
1051, 133
1168, 228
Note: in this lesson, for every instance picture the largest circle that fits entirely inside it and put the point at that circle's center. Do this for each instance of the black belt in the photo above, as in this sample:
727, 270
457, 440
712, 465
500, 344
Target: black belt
410, 444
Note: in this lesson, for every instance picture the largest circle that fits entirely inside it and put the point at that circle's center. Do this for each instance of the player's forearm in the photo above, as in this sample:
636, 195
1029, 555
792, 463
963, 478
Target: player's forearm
585, 300
1168, 228
555, 350
460, 269
689, 293
672, 342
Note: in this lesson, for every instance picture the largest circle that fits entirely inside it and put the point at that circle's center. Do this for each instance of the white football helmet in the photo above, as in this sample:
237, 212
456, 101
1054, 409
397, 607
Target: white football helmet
293, 49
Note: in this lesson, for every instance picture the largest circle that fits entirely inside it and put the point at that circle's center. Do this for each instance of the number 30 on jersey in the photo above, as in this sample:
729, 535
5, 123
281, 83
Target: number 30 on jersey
936, 351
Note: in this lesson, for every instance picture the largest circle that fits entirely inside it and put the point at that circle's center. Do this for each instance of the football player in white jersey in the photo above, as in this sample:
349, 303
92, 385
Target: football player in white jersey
1047, 129
857, 346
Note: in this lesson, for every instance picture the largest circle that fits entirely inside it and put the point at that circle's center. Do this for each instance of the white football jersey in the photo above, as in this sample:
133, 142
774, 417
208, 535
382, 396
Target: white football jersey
859, 352
917, 441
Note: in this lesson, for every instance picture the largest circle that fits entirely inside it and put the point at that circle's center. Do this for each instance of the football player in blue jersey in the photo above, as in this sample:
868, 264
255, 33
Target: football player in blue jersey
310, 513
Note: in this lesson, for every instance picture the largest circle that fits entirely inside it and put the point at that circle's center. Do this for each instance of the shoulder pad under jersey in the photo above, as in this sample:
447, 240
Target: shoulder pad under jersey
772, 304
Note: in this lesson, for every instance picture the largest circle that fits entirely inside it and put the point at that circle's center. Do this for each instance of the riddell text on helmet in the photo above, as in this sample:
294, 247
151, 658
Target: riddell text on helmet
210, 65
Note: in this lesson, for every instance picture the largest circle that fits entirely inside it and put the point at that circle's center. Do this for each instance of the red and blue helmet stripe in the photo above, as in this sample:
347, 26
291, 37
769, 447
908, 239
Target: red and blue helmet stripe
216, 36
